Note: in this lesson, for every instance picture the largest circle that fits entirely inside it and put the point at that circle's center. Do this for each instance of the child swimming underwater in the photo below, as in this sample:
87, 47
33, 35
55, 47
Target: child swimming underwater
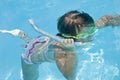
75, 29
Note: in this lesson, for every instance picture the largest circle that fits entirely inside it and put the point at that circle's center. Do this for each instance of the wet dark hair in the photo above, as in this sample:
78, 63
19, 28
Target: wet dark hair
72, 22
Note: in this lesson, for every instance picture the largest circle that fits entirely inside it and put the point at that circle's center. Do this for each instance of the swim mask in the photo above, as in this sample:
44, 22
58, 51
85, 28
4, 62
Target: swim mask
86, 32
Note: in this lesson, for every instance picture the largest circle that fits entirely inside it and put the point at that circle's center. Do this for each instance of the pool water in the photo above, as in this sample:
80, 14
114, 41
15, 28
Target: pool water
101, 62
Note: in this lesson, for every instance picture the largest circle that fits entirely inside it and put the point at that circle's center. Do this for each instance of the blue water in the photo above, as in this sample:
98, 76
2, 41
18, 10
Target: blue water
101, 62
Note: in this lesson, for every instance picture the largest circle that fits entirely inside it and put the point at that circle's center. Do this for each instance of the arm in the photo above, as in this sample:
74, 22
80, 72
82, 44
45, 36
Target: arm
108, 20
66, 59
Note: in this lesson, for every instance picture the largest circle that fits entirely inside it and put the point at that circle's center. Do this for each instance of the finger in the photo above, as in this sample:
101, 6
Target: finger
64, 41
70, 41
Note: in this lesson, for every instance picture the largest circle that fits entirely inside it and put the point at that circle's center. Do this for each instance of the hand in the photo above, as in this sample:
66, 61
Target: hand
66, 44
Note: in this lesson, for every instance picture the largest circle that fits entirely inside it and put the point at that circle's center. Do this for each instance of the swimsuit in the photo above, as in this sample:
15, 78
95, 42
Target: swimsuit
37, 50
